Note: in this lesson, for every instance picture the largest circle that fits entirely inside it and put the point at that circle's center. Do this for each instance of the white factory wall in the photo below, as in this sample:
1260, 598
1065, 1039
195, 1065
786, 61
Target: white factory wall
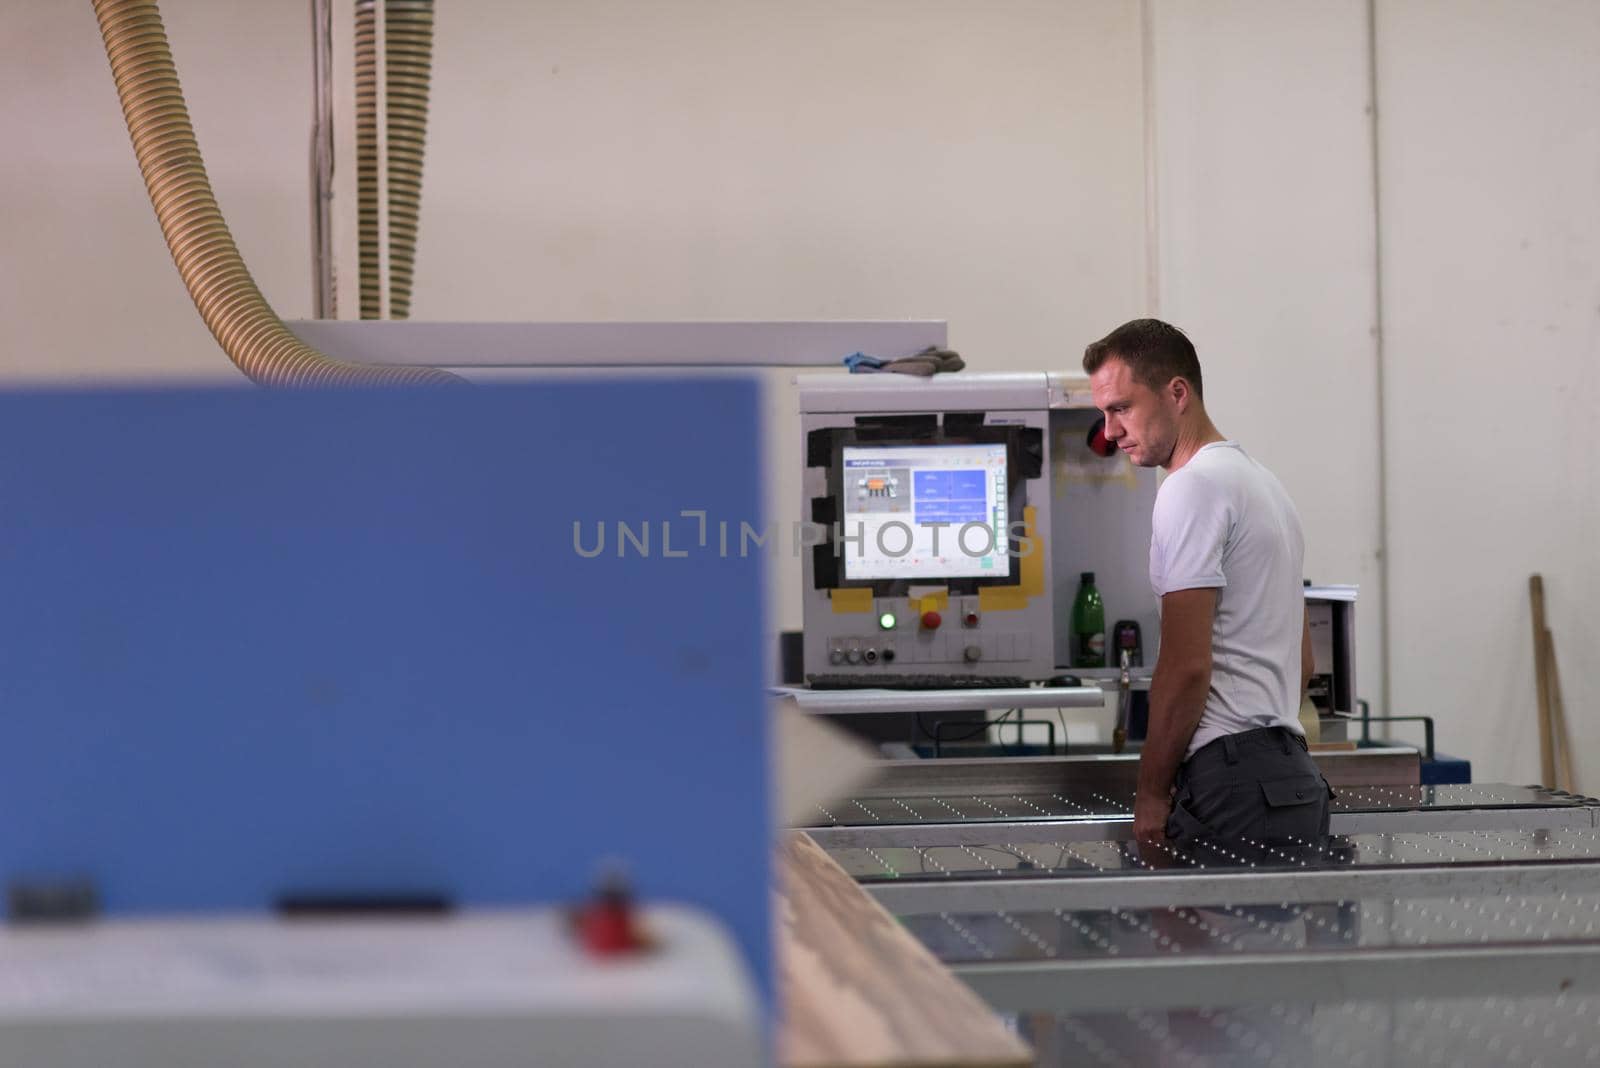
728, 159
1490, 199
1265, 256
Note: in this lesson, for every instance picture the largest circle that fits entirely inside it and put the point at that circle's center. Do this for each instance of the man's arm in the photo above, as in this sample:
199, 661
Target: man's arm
1307, 665
1177, 699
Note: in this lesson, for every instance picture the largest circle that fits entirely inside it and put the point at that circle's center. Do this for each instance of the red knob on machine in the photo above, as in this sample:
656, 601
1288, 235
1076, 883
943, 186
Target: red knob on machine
972, 619
931, 620
606, 929
606, 925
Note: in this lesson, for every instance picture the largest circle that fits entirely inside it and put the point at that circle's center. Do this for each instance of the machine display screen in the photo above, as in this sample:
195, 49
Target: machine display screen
925, 512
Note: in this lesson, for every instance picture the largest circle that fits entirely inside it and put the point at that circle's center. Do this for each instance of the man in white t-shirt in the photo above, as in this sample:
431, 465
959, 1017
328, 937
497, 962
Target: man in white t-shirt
1224, 755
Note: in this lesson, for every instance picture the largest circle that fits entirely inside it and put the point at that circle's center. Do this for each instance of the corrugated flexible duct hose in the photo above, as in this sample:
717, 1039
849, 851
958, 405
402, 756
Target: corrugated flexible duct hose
208, 260
408, 61
369, 267
407, 64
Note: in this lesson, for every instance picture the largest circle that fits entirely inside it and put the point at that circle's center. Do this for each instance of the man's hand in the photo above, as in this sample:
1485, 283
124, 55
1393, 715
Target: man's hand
1150, 818
1150, 813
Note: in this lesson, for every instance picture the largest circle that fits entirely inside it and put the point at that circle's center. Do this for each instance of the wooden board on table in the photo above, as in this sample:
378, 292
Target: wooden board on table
856, 989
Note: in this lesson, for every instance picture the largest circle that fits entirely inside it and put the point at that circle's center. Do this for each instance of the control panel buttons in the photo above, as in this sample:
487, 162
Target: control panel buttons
973, 653
970, 619
836, 656
931, 620
853, 656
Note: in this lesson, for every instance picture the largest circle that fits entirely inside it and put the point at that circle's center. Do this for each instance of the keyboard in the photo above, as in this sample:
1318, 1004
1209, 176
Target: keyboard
885, 681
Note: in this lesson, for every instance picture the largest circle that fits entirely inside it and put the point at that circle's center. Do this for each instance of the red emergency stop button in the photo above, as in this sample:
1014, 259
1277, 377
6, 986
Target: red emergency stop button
931, 620
607, 925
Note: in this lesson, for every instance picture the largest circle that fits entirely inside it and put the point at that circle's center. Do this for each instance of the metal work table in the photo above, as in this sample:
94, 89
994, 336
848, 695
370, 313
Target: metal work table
1089, 814
1431, 912
1113, 776
1042, 858
1221, 929
1039, 873
1222, 951
1218, 973
1036, 926
1550, 1030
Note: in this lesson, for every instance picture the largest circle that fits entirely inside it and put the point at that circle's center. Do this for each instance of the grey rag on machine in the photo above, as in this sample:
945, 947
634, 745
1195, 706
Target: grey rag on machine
930, 361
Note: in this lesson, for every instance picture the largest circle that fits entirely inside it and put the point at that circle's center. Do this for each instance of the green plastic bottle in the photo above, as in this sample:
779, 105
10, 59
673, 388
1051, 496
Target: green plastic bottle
1088, 625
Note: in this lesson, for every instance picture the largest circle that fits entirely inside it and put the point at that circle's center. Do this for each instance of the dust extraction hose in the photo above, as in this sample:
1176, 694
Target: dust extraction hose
408, 60
208, 260
369, 273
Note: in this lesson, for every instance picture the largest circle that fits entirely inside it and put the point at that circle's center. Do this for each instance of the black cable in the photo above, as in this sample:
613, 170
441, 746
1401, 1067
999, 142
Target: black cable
933, 736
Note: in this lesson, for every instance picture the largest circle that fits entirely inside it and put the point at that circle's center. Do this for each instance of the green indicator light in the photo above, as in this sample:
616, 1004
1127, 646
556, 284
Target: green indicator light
886, 621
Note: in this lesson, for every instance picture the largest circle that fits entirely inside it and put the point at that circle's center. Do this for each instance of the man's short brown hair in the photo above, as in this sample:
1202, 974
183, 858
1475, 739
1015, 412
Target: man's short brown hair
1156, 353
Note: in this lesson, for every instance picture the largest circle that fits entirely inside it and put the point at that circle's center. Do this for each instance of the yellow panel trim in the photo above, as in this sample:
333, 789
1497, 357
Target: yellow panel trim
1030, 575
1033, 563
1001, 599
856, 599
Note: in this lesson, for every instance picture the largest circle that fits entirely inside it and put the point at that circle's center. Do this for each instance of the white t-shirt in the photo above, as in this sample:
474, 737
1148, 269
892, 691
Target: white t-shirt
1224, 522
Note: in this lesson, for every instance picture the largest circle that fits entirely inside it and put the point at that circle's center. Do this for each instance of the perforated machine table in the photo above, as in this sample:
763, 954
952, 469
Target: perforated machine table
1371, 947
1090, 813
1352, 1032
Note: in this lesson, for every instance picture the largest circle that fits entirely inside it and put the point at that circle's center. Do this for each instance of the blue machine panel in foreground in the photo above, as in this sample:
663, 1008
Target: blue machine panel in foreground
258, 643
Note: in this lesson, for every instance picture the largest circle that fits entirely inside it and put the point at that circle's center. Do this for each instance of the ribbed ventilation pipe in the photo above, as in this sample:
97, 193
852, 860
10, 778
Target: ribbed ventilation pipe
407, 65
369, 268
208, 260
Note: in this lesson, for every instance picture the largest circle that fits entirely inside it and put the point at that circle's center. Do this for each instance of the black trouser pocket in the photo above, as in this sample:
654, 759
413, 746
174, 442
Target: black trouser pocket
1183, 826
1296, 806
